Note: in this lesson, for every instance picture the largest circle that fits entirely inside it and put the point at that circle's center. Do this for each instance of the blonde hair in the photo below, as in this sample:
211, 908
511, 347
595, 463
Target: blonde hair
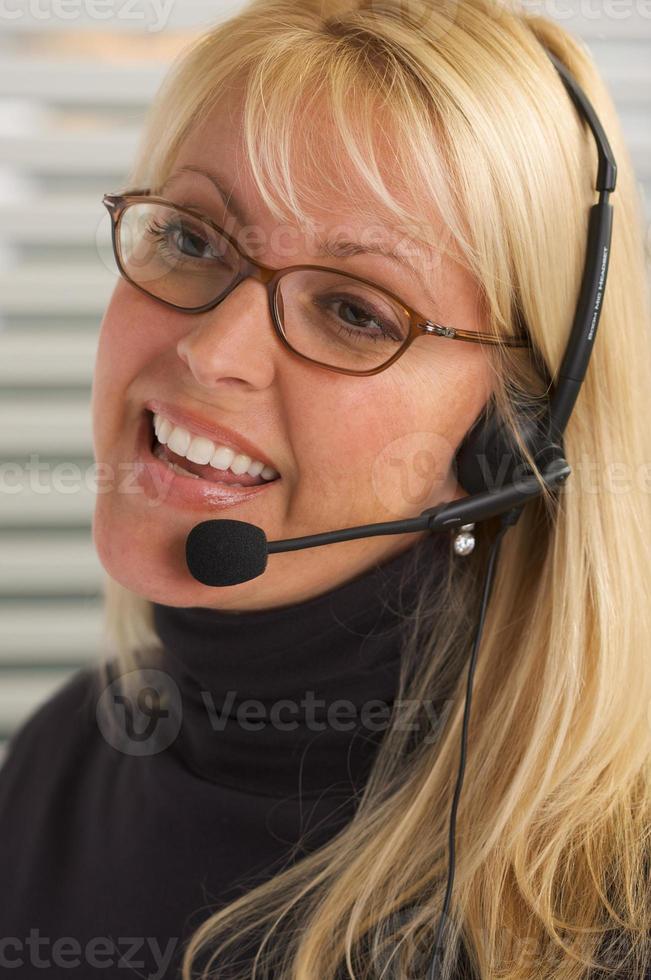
552, 876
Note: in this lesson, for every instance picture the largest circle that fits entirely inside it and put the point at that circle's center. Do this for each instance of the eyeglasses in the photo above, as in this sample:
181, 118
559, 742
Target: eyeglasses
340, 322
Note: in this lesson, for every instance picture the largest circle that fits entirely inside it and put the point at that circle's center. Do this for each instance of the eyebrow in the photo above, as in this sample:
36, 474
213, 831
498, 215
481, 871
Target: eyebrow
332, 248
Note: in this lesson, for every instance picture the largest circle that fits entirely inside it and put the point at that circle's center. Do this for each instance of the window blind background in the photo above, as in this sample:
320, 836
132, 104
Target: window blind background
73, 93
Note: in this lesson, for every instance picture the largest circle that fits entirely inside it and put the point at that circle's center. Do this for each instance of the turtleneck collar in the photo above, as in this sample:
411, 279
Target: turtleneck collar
293, 699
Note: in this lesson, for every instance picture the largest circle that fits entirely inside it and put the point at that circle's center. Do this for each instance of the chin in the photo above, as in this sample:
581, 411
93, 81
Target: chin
150, 561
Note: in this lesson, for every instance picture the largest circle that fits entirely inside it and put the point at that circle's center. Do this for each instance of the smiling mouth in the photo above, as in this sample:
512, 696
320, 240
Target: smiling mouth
200, 471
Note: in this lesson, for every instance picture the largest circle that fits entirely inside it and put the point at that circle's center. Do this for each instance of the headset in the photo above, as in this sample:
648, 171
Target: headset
487, 443
227, 552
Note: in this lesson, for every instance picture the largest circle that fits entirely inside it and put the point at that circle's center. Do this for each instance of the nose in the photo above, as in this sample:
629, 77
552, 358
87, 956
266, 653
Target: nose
235, 341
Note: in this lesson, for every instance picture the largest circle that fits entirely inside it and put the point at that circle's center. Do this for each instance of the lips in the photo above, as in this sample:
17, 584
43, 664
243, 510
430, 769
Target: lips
198, 425
204, 470
162, 486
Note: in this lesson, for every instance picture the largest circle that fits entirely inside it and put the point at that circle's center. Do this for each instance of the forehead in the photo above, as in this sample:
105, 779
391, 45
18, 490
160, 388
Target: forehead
334, 197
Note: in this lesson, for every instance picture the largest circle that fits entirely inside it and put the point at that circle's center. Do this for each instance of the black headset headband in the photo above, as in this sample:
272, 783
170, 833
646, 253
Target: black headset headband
588, 312
488, 444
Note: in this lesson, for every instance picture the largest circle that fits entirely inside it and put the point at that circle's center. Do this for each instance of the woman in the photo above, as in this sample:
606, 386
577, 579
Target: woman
282, 839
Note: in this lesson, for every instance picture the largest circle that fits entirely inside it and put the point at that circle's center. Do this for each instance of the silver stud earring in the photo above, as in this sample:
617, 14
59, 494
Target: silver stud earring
464, 540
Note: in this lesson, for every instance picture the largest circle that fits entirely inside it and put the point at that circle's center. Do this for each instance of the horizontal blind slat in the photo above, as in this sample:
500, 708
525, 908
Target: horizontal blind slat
56, 288
22, 691
49, 565
46, 357
45, 425
50, 631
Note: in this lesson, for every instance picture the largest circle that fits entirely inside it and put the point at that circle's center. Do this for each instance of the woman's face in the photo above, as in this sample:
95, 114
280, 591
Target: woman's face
348, 450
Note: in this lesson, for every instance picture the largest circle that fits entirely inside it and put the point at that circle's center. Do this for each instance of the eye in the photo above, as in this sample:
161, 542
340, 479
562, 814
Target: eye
362, 316
179, 238
190, 243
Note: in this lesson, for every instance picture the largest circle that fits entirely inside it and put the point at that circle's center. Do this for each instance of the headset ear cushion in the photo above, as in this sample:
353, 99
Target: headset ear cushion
489, 458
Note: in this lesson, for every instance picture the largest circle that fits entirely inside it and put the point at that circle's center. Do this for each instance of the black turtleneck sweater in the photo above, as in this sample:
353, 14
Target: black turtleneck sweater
242, 752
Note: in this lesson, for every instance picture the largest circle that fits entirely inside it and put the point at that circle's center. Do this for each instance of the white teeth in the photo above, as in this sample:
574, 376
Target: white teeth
164, 430
201, 450
179, 440
222, 458
158, 451
240, 464
256, 468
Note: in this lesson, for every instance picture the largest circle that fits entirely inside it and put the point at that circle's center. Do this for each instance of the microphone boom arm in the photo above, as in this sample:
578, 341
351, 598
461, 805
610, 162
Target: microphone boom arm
466, 510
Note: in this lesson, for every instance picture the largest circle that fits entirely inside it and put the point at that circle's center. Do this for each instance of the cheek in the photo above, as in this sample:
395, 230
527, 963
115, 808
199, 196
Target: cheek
345, 424
131, 335
372, 441
393, 436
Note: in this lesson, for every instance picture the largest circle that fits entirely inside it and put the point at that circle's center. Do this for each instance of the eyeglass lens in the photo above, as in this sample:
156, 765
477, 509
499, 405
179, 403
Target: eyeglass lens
327, 316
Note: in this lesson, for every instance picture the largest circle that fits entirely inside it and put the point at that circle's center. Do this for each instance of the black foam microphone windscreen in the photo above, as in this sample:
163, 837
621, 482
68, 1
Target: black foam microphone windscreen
224, 552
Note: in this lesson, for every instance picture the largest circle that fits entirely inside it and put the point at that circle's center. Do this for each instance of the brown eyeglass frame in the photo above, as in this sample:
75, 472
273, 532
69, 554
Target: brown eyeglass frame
116, 205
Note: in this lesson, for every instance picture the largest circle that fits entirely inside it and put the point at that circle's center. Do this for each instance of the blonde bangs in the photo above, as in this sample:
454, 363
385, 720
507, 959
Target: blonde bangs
320, 113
